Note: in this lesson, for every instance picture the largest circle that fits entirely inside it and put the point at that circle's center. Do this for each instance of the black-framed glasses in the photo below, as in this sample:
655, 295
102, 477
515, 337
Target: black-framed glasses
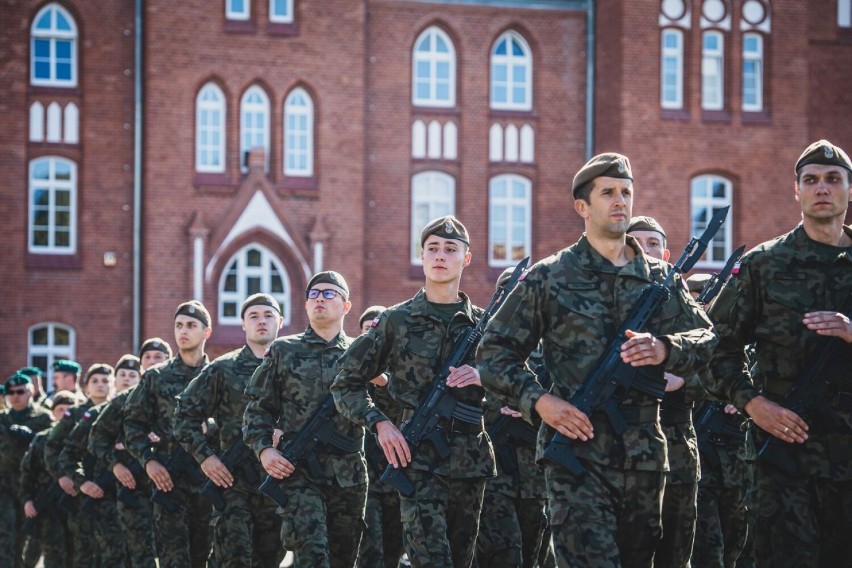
11, 392
328, 294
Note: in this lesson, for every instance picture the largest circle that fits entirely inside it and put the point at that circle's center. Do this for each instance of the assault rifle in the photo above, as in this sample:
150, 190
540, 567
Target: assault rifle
507, 433
238, 458
133, 497
714, 285
612, 378
46, 504
106, 481
439, 403
712, 422
179, 464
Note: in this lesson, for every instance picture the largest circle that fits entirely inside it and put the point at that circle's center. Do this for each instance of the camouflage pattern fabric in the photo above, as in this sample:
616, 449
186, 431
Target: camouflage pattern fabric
247, 528
183, 536
722, 528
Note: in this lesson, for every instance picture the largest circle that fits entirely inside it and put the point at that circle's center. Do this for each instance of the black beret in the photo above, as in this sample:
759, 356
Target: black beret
99, 369
447, 227
645, 223
17, 380
66, 366
130, 362
696, 282
155, 344
259, 300
194, 309
608, 164
31, 371
328, 277
825, 153
370, 313
64, 397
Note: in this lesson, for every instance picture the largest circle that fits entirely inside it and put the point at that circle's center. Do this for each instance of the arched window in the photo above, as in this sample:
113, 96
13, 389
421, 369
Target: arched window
671, 69
434, 72
299, 134
712, 71
254, 125
48, 342
252, 270
210, 129
511, 73
53, 206
53, 48
752, 72
433, 194
709, 193
509, 219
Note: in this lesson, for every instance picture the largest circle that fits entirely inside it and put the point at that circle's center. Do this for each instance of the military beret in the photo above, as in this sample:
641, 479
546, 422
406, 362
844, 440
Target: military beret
66, 366
645, 223
328, 277
17, 380
370, 313
194, 309
609, 164
696, 282
64, 397
99, 369
825, 153
31, 371
504, 277
447, 227
155, 344
259, 300
129, 362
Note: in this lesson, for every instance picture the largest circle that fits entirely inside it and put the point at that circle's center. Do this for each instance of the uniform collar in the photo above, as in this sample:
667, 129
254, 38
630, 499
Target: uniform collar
420, 306
311, 336
592, 260
824, 253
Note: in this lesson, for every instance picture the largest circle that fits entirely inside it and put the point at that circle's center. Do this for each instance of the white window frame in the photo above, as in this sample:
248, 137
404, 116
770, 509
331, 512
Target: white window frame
53, 36
278, 18
432, 58
263, 272
436, 192
713, 72
52, 186
51, 351
232, 14
755, 58
293, 166
254, 108
844, 13
209, 104
671, 64
510, 63
708, 204
510, 204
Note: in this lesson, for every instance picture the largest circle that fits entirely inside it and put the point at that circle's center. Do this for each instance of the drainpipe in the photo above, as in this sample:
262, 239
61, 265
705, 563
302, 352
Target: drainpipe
590, 79
137, 178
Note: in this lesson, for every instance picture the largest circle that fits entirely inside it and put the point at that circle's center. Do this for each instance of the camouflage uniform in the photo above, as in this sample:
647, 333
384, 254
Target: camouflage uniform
14, 442
183, 536
804, 519
324, 514
135, 512
409, 341
248, 527
574, 302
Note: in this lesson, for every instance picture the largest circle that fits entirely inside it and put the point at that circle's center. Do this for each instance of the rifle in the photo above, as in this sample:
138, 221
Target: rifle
106, 481
612, 378
45, 504
179, 464
132, 497
300, 449
712, 421
238, 458
439, 403
714, 285
507, 433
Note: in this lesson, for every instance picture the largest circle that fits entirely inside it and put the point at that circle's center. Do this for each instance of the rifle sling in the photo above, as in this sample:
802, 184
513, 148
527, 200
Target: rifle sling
461, 426
339, 444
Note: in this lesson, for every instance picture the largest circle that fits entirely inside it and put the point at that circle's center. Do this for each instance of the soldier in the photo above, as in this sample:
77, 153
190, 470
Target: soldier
324, 512
66, 375
247, 529
679, 499
19, 422
183, 535
37, 377
153, 352
106, 444
791, 296
410, 341
574, 302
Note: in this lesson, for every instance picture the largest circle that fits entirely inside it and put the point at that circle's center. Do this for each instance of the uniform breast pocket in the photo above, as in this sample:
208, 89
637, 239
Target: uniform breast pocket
420, 348
667, 318
579, 324
306, 365
788, 297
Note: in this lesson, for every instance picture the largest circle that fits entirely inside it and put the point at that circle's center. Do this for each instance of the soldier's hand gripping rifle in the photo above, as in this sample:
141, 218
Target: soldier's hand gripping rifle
712, 422
179, 464
612, 378
507, 433
439, 403
239, 459
714, 284
46, 503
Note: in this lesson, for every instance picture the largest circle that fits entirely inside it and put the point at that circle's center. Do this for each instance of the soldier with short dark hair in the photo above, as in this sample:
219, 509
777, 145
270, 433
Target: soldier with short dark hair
66, 375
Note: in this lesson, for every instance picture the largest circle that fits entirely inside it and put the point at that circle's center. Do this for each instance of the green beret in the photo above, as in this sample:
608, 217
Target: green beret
825, 153
155, 344
66, 366
609, 164
259, 300
194, 309
31, 371
129, 362
328, 277
645, 223
16, 380
370, 313
447, 227
99, 369
696, 282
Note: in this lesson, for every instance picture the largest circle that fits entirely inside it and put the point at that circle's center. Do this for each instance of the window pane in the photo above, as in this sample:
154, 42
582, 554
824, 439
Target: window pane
41, 169
252, 285
41, 198
40, 238
61, 336
229, 309
63, 49
253, 257
38, 336
41, 48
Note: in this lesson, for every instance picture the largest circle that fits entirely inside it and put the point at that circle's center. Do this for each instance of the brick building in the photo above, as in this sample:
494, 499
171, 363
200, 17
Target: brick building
154, 152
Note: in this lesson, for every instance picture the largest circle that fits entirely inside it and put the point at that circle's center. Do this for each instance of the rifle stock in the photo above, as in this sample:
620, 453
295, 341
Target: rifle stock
238, 459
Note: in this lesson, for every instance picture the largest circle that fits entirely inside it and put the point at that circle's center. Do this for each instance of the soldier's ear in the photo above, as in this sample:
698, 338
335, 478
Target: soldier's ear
582, 208
796, 191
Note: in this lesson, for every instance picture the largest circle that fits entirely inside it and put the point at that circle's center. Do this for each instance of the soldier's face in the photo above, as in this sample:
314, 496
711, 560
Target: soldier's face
18, 397
609, 208
58, 411
652, 243
64, 381
823, 191
99, 386
444, 259
324, 311
190, 333
151, 358
126, 378
261, 324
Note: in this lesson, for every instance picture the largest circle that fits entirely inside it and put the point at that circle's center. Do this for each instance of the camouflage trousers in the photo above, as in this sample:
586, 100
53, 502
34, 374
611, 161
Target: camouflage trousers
11, 519
440, 520
801, 521
82, 529
510, 531
722, 527
183, 536
137, 521
381, 545
679, 515
322, 524
108, 534
604, 518
546, 556
52, 540
246, 532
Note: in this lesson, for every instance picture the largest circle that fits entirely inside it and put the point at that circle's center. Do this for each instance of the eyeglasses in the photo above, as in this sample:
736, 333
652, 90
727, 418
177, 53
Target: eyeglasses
328, 294
16, 391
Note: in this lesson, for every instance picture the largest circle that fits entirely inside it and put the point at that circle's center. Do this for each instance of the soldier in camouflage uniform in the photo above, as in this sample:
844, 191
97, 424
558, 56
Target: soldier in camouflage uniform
66, 375
183, 535
790, 296
574, 302
18, 424
246, 531
37, 377
153, 352
409, 342
324, 512
106, 444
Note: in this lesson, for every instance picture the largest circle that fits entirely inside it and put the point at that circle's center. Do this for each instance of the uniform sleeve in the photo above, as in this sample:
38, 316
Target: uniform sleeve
72, 454
139, 414
195, 405
29, 473
690, 350
55, 442
264, 406
105, 433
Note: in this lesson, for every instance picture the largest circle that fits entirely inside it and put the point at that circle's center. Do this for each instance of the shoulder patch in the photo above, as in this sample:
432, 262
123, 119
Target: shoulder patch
375, 321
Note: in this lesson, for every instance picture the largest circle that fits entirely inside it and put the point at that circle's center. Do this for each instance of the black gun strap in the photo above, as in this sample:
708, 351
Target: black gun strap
467, 413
